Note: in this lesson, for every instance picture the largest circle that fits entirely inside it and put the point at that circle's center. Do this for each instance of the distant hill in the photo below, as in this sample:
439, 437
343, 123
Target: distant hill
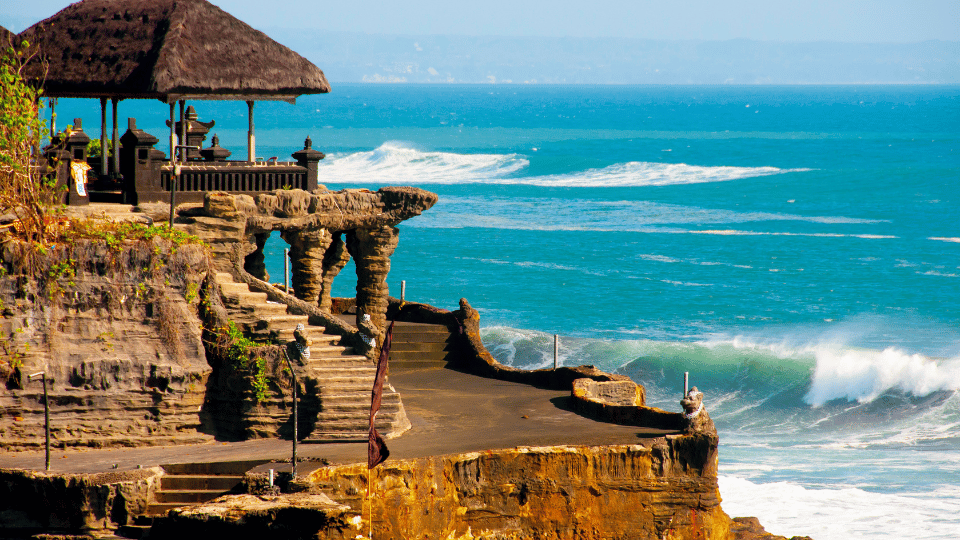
356, 57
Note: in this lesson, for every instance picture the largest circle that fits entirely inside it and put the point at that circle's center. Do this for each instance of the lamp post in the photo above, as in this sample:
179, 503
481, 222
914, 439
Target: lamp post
293, 376
46, 412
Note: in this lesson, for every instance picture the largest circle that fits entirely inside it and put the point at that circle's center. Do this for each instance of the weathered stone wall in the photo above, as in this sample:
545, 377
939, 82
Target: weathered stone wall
667, 490
73, 504
621, 402
116, 331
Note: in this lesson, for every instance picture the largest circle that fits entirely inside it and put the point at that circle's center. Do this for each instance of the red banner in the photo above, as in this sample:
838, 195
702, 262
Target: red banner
377, 451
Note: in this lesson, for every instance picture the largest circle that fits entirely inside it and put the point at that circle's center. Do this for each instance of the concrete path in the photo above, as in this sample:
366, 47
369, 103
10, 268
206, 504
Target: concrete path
452, 412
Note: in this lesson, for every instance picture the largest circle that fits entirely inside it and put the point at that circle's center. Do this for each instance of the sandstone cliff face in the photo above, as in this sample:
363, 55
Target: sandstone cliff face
115, 331
667, 490
72, 504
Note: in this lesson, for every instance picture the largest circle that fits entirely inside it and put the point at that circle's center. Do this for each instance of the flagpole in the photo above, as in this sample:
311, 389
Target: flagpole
370, 508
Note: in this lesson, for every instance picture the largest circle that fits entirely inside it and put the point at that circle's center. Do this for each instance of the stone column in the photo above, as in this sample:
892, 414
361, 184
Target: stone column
307, 249
334, 260
371, 250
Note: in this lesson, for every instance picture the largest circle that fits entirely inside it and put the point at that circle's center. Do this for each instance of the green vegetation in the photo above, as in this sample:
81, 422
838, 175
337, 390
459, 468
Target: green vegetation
240, 353
25, 189
115, 234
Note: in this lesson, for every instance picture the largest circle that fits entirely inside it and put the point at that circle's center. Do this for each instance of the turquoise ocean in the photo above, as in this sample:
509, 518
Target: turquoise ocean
795, 249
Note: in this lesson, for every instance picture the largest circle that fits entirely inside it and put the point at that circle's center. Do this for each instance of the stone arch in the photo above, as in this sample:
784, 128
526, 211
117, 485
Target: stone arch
324, 230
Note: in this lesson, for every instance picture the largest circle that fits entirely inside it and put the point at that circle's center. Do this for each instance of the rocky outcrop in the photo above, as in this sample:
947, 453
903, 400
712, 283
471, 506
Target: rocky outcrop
72, 504
749, 528
280, 517
114, 327
665, 490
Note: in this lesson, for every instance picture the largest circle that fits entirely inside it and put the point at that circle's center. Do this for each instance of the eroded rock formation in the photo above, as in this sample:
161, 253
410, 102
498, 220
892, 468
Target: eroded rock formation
323, 228
667, 490
73, 503
116, 332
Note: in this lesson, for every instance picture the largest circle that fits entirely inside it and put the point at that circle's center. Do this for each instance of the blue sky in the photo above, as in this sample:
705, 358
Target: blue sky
872, 21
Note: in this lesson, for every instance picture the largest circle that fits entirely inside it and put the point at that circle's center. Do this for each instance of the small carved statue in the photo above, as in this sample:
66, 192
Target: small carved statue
368, 331
302, 342
695, 417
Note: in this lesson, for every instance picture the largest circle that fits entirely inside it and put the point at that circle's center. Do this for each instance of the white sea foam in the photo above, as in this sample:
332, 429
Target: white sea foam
857, 372
733, 232
788, 509
397, 162
863, 375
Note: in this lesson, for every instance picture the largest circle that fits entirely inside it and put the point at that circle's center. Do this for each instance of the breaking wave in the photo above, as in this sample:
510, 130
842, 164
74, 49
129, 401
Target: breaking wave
827, 381
400, 163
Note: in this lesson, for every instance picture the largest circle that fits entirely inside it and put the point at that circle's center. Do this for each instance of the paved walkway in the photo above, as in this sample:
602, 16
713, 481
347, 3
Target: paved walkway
451, 412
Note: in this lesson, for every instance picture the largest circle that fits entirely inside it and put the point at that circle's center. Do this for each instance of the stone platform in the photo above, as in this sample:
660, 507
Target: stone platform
451, 412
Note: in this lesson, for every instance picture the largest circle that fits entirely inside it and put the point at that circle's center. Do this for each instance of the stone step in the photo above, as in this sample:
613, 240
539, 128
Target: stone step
242, 290
334, 370
330, 420
341, 359
336, 399
159, 509
187, 496
355, 425
422, 356
267, 309
342, 380
417, 346
419, 328
318, 352
345, 384
212, 468
421, 338
278, 323
315, 333
358, 412
199, 482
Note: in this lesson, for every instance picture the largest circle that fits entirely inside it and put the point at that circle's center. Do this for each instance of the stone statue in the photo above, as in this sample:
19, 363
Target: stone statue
695, 416
302, 343
368, 330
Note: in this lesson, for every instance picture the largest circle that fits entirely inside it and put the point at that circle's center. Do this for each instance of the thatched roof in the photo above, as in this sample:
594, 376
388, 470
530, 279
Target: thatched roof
6, 37
166, 49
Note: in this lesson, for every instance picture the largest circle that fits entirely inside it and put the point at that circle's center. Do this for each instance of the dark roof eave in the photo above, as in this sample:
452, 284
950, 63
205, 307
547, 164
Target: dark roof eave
291, 96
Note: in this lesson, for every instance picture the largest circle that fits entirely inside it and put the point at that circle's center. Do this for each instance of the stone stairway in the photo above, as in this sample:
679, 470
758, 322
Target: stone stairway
186, 484
419, 345
345, 380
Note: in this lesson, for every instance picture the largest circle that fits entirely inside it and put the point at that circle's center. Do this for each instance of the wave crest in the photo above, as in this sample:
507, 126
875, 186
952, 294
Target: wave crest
864, 375
399, 162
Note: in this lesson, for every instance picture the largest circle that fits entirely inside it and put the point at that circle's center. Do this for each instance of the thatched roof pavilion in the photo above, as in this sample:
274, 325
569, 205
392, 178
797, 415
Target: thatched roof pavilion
6, 37
168, 50
171, 50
